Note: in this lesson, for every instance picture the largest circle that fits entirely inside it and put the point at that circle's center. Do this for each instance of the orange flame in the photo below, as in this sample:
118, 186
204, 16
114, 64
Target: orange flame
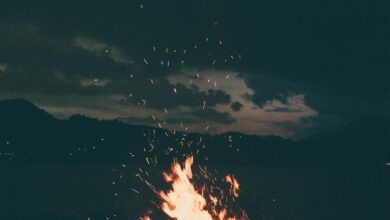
235, 185
185, 202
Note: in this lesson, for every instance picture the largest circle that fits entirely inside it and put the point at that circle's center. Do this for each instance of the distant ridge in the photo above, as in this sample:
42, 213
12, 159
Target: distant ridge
32, 134
22, 109
362, 127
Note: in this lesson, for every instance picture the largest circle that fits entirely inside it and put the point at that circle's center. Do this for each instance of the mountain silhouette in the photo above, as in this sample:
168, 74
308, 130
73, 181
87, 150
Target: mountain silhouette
362, 141
30, 133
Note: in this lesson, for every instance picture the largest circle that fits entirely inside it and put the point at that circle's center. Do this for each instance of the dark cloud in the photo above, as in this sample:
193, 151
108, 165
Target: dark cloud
162, 95
269, 88
336, 54
236, 106
210, 115
27, 48
37, 63
198, 116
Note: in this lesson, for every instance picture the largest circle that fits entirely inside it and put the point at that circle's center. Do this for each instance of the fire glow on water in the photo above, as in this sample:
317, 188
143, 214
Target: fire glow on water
187, 202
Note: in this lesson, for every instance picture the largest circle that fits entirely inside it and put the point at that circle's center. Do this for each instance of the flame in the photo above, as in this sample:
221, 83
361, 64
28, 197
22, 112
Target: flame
185, 202
235, 185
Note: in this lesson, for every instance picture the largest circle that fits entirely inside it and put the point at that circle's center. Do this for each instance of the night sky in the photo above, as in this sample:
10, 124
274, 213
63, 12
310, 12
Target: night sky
259, 67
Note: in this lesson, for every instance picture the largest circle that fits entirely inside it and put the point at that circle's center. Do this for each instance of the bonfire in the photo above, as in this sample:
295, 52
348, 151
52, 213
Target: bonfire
185, 201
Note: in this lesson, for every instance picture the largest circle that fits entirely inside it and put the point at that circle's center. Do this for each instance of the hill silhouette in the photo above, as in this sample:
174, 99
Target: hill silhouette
362, 141
30, 133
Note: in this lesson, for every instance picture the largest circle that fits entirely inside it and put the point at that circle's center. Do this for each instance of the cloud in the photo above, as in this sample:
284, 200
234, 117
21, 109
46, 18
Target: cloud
74, 65
291, 104
92, 77
335, 74
102, 49
188, 117
265, 88
252, 118
163, 94
236, 106
48, 64
210, 115
80, 77
94, 82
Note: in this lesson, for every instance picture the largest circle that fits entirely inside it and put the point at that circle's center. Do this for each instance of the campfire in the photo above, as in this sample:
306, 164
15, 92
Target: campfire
186, 201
